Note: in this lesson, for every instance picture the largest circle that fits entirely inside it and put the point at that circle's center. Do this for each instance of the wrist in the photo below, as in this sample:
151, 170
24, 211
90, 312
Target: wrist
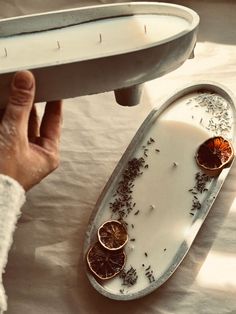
8, 181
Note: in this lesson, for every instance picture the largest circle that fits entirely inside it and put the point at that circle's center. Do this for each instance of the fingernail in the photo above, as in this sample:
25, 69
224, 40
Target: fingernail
23, 80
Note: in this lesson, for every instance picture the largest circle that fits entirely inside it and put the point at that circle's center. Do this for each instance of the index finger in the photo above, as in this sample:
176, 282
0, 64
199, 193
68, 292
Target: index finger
20, 101
51, 123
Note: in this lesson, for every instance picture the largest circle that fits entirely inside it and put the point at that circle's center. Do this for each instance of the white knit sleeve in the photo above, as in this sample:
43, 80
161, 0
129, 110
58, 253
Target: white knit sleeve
12, 197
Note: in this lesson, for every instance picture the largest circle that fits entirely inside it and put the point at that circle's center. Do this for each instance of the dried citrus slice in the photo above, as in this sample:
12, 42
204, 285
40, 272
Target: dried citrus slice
214, 154
112, 235
103, 263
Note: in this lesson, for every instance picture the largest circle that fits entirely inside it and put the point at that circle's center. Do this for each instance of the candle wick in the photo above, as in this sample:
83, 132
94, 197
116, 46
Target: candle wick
152, 207
145, 29
100, 38
58, 45
5, 50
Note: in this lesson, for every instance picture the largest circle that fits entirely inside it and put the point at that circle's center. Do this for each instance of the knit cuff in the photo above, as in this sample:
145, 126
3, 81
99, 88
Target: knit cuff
12, 197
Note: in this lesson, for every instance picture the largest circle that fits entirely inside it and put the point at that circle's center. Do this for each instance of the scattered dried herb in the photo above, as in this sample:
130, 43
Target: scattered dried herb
149, 274
218, 107
123, 204
150, 141
201, 180
129, 277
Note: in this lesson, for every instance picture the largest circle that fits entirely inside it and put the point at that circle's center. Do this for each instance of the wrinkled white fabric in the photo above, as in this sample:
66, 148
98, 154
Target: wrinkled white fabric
12, 197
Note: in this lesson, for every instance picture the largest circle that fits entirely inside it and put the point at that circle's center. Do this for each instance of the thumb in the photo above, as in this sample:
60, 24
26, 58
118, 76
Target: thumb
20, 101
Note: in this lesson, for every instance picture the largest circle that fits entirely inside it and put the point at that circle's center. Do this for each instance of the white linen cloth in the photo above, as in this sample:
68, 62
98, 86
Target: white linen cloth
45, 272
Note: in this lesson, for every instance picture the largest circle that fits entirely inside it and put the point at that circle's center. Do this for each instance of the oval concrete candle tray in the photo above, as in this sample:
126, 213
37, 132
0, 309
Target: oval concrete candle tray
95, 49
169, 197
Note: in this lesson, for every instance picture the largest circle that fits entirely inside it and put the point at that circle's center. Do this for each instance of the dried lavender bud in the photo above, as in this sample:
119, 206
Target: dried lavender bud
129, 277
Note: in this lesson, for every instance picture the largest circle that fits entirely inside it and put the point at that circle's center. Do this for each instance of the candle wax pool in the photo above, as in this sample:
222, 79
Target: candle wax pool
87, 41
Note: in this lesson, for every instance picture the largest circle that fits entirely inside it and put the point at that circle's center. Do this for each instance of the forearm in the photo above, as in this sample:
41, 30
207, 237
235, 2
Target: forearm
12, 197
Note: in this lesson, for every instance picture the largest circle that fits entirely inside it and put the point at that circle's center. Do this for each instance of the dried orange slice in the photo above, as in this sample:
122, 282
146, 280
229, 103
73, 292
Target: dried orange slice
112, 235
214, 154
103, 263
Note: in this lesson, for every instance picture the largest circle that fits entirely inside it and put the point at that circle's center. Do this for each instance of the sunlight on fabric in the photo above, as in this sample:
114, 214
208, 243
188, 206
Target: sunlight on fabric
218, 271
233, 206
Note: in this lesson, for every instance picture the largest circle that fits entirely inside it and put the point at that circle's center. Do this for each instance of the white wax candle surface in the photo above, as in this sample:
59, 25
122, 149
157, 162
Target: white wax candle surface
86, 41
164, 194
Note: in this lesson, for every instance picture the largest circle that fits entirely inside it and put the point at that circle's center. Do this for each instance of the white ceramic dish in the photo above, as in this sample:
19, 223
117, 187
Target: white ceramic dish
71, 75
169, 202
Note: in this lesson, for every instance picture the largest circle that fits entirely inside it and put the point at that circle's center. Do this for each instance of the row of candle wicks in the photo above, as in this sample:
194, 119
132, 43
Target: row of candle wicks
59, 45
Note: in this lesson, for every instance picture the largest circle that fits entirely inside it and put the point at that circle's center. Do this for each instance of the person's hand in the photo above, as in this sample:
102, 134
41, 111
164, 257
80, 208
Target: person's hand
28, 151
